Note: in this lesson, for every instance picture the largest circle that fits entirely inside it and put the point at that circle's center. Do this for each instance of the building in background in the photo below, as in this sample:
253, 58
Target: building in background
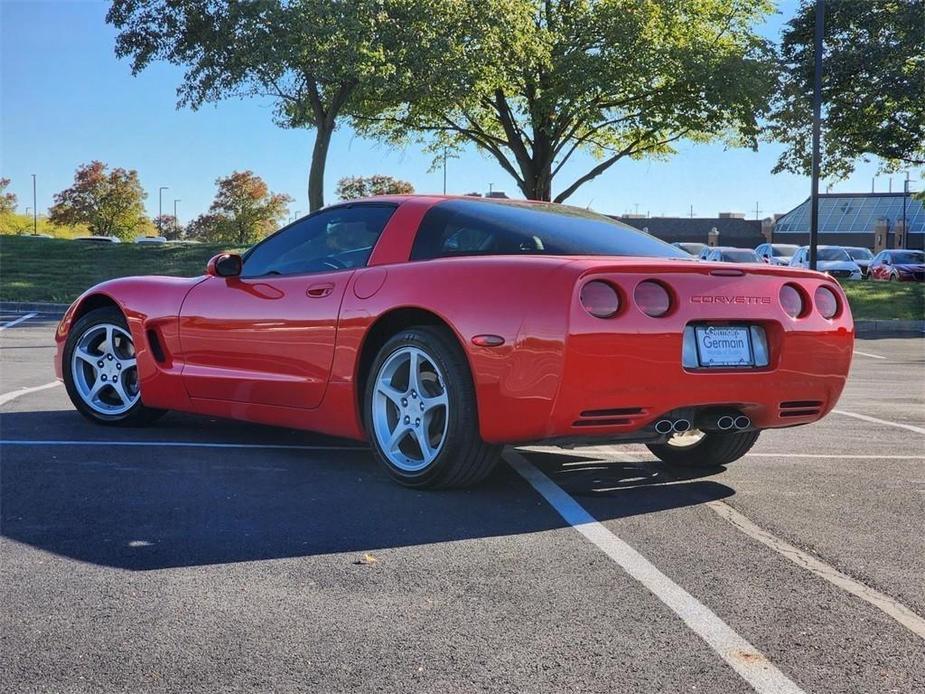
873, 220
726, 229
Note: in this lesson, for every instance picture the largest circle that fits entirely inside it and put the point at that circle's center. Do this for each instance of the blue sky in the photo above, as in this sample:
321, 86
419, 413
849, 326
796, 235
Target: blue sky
66, 100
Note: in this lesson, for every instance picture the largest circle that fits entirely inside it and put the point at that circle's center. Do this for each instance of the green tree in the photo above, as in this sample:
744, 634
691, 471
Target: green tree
243, 212
109, 203
320, 62
544, 79
7, 200
166, 225
355, 187
873, 90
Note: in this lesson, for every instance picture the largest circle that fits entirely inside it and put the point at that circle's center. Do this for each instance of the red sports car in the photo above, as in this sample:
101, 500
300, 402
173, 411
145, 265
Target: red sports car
439, 329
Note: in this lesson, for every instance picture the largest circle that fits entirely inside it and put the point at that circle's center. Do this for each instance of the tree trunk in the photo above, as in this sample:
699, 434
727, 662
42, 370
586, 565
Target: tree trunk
537, 183
316, 173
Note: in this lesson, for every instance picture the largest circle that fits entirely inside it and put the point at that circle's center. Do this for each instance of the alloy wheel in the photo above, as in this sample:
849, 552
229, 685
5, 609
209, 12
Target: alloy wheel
105, 370
410, 409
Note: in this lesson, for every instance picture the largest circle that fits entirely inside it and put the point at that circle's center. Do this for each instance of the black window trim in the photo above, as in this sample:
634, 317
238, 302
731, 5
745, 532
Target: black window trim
328, 208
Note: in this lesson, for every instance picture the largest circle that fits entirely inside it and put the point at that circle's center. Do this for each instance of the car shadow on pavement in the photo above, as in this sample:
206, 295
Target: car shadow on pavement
155, 507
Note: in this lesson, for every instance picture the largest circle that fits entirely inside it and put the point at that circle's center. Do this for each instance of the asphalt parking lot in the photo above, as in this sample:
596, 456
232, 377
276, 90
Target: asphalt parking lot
205, 555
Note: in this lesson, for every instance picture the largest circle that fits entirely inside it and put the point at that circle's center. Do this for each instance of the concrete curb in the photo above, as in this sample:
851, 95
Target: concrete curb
864, 328
42, 308
882, 328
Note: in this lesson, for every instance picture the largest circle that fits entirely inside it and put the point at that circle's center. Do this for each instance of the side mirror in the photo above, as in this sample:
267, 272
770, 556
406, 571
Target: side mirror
225, 265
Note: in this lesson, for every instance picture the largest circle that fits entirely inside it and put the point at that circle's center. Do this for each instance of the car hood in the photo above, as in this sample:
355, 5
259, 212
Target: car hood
827, 265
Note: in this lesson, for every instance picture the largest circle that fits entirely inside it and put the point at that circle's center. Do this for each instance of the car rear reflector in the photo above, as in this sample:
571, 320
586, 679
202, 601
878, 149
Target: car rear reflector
600, 299
652, 298
791, 299
826, 302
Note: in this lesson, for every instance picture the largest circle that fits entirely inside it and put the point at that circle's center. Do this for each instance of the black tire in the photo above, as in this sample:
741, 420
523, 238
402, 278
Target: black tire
464, 459
138, 414
714, 449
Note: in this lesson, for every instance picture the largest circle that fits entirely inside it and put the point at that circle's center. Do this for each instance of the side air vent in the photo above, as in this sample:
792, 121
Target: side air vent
156, 349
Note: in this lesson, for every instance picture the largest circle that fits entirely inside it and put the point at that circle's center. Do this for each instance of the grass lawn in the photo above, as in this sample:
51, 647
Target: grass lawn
59, 270
886, 300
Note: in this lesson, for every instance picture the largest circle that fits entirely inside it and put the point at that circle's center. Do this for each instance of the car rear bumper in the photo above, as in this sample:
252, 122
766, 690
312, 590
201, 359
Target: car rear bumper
615, 378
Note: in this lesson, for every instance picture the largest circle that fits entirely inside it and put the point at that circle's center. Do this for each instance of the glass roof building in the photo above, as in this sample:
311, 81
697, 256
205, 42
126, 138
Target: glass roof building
843, 215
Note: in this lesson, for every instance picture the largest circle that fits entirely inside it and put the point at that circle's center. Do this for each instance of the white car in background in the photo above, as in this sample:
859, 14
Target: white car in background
832, 260
776, 253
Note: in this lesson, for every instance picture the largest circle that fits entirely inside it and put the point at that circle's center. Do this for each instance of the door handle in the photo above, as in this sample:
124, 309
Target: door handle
317, 291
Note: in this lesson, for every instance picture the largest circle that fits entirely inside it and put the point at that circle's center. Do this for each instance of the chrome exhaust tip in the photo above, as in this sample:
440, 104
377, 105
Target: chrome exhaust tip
742, 422
725, 423
681, 425
664, 426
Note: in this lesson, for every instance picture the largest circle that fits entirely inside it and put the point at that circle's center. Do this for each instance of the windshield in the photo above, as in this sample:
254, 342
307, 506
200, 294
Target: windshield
473, 227
782, 250
860, 253
743, 256
833, 254
909, 257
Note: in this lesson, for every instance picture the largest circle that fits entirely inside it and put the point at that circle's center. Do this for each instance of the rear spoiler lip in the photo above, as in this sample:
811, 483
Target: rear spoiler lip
658, 266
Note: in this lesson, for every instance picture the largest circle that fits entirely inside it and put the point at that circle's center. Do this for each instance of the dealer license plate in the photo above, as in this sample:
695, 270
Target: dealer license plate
723, 346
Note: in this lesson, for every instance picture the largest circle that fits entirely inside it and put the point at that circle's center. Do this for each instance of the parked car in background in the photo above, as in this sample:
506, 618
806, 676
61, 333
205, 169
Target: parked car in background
832, 260
898, 266
690, 247
776, 253
97, 239
862, 256
727, 254
150, 239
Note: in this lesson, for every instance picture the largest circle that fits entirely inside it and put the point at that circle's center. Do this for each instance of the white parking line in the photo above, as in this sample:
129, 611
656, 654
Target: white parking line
867, 354
884, 603
18, 321
13, 394
874, 420
738, 653
177, 444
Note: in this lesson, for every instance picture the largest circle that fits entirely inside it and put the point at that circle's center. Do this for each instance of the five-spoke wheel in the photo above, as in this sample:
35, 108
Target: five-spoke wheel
104, 369
410, 409
421, 412
101, 371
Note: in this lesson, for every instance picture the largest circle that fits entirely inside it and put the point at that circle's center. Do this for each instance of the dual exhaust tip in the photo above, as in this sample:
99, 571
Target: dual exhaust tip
727, 422
724, 423
667, 426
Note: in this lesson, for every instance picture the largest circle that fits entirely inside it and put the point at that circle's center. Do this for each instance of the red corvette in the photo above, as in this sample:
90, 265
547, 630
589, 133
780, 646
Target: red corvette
439, 329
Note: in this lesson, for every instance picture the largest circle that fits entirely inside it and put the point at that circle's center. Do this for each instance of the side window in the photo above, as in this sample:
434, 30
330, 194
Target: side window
332, 239
762, 250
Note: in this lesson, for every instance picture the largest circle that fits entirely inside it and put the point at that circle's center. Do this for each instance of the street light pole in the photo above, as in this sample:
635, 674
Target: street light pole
444, 170
817, 116
35, 210
176, 223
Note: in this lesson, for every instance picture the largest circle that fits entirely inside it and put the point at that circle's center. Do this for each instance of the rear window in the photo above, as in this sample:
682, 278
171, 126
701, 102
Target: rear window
908, 257
783, 251
470, 227
740, 257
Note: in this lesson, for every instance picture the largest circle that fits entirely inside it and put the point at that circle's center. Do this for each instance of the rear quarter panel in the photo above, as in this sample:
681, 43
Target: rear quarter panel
524, 300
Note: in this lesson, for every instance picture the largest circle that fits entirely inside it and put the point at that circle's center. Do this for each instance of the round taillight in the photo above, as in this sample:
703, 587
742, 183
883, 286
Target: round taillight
792, 301
600, 299
652, 298
826, 302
